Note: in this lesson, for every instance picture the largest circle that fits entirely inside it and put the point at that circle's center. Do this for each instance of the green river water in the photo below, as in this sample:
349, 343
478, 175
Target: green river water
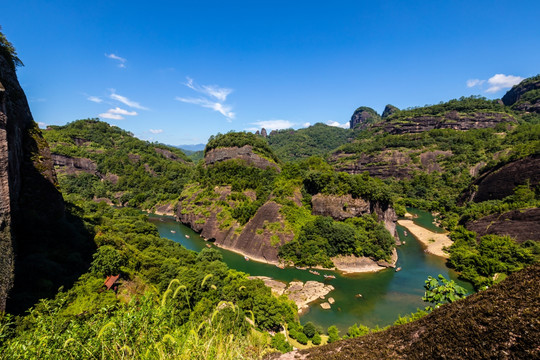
385, 294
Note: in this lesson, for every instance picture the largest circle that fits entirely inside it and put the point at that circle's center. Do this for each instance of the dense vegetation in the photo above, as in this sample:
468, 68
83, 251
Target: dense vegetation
238, 139
172, 302
129, 171
316, 140
461, 105
7, 50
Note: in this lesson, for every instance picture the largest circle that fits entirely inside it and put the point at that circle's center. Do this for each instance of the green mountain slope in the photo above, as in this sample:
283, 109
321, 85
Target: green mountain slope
97, 160
316, 140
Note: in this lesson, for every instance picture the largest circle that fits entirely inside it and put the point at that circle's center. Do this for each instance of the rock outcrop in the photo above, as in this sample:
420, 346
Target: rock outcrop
27, 179
521, 225
169, 154
244, 153
253, 240
389, 163
500, 322
344, 207
500, 182
450, 120
363, 117
524, 96
389, 110
73, 165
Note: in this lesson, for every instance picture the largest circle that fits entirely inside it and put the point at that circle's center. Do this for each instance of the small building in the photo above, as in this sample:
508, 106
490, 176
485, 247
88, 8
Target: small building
111, 281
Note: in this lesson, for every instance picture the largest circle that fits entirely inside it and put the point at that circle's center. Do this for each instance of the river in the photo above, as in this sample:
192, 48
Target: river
385, 294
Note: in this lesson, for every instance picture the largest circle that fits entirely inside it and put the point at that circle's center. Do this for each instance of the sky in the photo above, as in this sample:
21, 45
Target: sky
176, 72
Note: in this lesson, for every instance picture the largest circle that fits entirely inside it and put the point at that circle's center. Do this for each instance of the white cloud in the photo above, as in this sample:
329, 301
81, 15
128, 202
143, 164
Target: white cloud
500, 81
496, 83
272, 124
108, 115
120, 111
223, 109
156, 131
345, 125
124, 100
117, 114
122, 61
211, 91
95, 99
475, 82
306, 124
42, 125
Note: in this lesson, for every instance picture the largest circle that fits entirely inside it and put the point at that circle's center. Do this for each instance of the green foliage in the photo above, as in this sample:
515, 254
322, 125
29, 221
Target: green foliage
333, 334
412, 317
309, 330
442, 291
129, 171
239, 139
7, 50
478, 262
279, 342
357, 331
316, 340
107, 261
302, 338
316, 140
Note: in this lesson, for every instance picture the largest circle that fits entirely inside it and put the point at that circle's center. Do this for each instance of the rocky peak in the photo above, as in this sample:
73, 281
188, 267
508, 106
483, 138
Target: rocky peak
244, 153
389, 110
363, 116
524, 96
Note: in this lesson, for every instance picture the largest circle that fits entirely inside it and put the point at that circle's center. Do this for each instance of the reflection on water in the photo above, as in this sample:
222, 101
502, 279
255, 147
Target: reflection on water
385, 294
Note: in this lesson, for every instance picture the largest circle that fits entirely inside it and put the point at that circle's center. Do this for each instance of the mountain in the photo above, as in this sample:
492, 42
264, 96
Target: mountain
100, 161
363, 117
191, 147
524, 96
315, 140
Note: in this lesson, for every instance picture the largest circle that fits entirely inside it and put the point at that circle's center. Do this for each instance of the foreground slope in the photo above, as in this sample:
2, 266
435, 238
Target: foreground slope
501, 322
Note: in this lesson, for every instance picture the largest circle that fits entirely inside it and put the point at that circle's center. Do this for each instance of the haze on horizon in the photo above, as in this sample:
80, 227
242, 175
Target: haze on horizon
178, 72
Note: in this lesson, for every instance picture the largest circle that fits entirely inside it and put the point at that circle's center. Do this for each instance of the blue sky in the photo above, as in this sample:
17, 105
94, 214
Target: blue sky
179, 71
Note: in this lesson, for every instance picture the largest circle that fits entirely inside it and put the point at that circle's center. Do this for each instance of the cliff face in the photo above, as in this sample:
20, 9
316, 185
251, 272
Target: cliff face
389, 163
344, 207
244, 153
255, 239
27, 178
450, 120
522, 225
500, 182
363, 117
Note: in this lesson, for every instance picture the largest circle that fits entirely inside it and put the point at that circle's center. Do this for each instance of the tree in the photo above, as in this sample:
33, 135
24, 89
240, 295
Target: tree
309, 330
442, 292
316, 339
333, 334
280, 343
107, 261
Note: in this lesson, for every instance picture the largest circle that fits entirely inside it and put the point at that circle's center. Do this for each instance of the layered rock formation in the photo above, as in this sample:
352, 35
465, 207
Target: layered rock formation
521, 225
450, 120
500, 182
363, 117
344, 207
73, 165
27, 178
244, 153
389, 163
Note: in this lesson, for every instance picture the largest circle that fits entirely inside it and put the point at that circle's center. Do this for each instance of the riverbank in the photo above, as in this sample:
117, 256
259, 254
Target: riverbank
301, 293
434, 242
351, 264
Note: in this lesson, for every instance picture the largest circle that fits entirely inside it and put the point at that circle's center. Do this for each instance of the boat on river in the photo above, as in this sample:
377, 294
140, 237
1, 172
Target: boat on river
405, 232
174, 232
187, 236
314, 272
329, 276
208, 245
246, 258
398, 269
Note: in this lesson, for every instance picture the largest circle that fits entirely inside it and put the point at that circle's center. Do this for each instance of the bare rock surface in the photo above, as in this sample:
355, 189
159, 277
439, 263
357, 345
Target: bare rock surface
244, 153
299, 292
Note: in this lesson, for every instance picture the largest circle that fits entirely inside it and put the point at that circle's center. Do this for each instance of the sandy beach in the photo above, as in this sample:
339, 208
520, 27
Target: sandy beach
426, 237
